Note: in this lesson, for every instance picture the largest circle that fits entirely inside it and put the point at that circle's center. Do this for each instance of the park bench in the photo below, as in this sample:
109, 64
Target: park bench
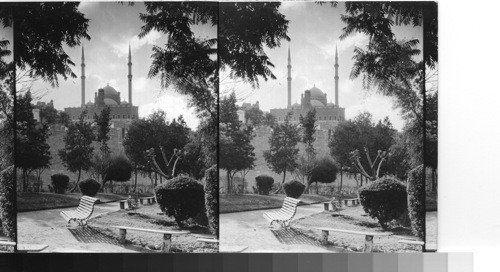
167, 235
285, 214
83, 212
368, 236
149, 200
354, 201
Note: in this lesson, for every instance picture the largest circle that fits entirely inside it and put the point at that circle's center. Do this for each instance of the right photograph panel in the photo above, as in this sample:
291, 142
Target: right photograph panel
322, 126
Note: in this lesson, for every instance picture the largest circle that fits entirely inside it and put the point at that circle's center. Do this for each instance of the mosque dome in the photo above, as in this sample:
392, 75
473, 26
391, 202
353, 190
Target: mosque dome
109, 91
316, 103
295, 106
89, 104
316, 92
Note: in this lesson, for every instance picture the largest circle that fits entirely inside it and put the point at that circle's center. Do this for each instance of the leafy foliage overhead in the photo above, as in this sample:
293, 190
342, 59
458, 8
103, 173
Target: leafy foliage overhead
41, 31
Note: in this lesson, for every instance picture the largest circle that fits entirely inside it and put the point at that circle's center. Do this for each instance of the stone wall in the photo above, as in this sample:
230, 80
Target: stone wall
261, 143
56, 143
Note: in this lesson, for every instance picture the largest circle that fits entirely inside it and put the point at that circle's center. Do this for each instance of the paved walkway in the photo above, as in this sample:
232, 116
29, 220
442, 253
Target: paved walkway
250, 229
49, 227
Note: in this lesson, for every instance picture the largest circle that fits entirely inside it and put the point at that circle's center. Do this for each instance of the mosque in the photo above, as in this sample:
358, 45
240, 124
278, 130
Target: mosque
122, 112
328, 114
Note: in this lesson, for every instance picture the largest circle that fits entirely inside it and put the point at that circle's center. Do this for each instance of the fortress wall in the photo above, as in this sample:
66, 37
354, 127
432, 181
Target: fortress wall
261, 143
56, 143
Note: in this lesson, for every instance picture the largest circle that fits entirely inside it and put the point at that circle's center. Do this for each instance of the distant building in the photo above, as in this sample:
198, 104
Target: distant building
122, 112
328, 115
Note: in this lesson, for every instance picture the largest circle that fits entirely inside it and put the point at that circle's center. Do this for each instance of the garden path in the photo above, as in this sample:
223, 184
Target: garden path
49, 228
250, 229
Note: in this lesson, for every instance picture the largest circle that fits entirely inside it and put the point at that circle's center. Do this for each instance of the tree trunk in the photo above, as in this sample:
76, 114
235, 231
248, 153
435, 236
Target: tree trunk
281, 185
78, 180
341, 181
135, 182
228, 190
317, 188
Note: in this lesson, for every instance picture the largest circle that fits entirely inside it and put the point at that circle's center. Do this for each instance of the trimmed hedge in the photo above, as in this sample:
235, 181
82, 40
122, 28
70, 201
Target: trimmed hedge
293, 188
60, 183
212, 198
181, 197
89, 187
7, 211
264, 184
384, 199
416, 200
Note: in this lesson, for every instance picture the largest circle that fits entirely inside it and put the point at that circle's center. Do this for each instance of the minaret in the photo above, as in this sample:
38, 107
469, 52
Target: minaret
336, 78
83, 78
129, 76
289, 78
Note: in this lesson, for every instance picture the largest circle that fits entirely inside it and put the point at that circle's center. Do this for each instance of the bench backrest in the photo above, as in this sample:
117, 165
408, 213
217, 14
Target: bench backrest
86, 206
290, 206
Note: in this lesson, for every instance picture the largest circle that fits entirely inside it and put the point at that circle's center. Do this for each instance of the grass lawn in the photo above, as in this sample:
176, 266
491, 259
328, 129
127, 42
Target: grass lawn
42, 201
239, 203
351, 218
151, 217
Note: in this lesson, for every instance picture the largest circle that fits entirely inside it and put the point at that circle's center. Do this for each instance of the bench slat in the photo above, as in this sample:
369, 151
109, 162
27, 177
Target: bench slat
150, 230
357, 232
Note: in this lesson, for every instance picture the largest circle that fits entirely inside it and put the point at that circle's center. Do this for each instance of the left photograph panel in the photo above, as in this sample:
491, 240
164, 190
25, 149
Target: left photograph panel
7, 181
116, 124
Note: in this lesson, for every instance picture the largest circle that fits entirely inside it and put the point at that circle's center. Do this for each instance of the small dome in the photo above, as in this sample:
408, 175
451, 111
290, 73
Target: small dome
124, 103
89, 104
316, 103
295, 105
110, 102
108, 90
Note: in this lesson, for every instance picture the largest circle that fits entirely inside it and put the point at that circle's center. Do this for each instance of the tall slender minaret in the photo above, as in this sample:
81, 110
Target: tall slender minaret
336, 78
289, 78
129, 76
83, 78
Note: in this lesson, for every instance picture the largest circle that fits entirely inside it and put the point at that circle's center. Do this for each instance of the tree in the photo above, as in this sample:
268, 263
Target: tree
254, 115
163, 138
235, 149
308, 124
32, 151
119, 169
353, 137
42, 29
103, 127
6, 105
191, 63
269, 120
283, 152
77, 153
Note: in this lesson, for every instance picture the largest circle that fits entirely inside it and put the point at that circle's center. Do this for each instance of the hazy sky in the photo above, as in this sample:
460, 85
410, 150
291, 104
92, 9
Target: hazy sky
314, 31
112, 27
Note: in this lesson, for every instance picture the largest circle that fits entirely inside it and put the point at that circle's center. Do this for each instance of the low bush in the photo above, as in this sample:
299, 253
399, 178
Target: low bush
181, 197
264, 184
293, 188
7, 208
384, 199
60, 183
416, 200
89, 187
212, 198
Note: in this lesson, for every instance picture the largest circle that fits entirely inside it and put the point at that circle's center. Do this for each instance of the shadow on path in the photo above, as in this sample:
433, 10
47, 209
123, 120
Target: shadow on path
291, 236
88, 235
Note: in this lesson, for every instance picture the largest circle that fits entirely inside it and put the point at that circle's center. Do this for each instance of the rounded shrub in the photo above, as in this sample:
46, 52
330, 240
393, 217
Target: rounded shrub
7, 209
293, 188
119, 169
212, 198
60, 183
324, 171
416, 200
89, 187
181, 197
384, 199
264, 184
